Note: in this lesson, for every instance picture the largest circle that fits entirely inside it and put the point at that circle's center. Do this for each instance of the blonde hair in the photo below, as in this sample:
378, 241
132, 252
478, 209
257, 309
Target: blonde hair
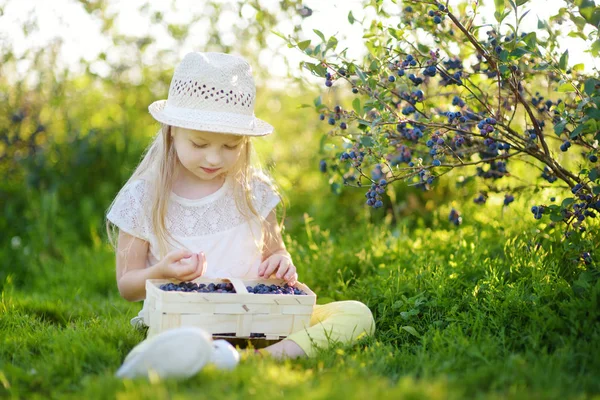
157, 168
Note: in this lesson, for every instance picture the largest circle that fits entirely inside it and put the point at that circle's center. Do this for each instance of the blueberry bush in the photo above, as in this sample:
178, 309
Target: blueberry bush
435, 93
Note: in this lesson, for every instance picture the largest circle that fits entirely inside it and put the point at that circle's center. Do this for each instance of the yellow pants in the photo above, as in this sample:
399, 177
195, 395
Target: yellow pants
343, 321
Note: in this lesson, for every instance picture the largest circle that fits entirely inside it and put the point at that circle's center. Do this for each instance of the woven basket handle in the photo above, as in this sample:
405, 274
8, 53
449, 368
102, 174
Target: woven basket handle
238, 285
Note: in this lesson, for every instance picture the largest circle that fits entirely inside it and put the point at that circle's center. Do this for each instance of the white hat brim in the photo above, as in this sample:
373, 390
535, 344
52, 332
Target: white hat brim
199, 122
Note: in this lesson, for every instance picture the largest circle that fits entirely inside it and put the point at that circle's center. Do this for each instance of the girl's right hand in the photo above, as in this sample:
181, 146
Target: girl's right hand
184, 265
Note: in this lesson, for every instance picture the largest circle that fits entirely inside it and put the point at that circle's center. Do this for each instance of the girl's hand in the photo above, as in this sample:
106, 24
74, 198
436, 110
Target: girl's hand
184, 265
282, 263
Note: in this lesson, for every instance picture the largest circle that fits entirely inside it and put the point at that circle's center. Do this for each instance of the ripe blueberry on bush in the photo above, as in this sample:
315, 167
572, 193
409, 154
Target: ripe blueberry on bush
565, 146
455, 217
323, 166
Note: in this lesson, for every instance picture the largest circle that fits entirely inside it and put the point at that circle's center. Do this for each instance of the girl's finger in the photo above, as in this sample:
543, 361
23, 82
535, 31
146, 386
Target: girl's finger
196, 274
189, 268
177, 255
284, 267
203, 263
273, 264
294, 280
263, 266
290, 273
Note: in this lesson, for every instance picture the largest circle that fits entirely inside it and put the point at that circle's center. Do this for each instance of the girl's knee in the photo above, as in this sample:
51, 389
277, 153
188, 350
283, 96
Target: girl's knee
361, 313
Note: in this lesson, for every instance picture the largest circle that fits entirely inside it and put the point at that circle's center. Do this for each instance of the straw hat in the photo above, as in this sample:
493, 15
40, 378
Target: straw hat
212, 92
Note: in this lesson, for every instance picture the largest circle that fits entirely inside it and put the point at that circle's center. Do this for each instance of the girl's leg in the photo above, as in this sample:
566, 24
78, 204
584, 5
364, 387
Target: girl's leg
344, 321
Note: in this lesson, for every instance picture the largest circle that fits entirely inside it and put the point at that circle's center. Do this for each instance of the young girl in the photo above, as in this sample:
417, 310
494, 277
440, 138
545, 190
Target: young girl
198, 205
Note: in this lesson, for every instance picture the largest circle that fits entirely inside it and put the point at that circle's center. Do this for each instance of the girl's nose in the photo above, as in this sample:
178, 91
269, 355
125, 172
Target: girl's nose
214, 158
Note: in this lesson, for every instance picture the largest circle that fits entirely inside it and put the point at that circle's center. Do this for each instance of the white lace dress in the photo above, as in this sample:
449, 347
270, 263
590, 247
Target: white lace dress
212, 224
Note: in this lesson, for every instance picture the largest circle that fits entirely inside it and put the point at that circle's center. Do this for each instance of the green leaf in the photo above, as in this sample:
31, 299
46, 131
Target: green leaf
521, 2
500, 16
576, 131
564, 60
578, 67
304, 106
595, 49
366, 141
361, 75
317, 101
567, 201
281, 35
556, 217
331, 43
565, 87
590, 12
374, 66
519, 52
594, 174
500, 6
351, 18
590, 85
560, 127
303, 45
531, 41
320, 34
356, 106
578, 21
596, 190
336, 188
411, 330
593, 113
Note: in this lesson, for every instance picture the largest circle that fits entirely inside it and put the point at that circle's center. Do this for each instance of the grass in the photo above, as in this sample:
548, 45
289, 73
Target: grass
469, 312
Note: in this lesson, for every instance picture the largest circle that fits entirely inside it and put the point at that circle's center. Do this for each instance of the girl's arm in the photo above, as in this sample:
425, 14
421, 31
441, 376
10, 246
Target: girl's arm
180, 264
132, 273
273, 240
275, 256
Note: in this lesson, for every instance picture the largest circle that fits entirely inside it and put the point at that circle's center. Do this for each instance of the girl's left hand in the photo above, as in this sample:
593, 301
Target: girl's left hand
282, 263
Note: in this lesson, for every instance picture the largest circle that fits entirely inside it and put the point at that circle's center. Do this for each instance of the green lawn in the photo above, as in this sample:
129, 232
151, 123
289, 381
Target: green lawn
468, 312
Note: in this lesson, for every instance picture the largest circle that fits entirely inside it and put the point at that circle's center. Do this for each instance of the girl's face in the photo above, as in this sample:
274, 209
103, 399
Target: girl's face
206, 155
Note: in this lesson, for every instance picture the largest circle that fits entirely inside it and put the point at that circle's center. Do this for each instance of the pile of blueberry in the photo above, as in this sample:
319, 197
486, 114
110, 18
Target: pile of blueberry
261, 288
201, 288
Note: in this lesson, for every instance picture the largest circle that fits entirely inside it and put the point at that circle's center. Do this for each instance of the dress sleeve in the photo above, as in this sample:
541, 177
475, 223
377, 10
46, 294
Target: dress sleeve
129, 211
265, 198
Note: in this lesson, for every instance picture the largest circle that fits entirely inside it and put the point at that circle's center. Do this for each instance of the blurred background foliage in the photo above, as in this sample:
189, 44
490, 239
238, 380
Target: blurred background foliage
69, 139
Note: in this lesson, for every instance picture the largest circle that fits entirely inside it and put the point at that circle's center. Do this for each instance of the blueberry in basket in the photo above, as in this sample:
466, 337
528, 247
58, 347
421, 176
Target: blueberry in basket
201, 288
261, 288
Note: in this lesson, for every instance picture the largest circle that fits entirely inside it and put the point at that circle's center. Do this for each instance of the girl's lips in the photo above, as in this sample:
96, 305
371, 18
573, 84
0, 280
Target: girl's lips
210, 171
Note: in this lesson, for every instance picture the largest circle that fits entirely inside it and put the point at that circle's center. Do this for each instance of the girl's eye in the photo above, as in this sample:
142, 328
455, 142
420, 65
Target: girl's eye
198, 146
232, 147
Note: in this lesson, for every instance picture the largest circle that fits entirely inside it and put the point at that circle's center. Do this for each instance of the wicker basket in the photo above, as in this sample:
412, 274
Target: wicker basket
239, 315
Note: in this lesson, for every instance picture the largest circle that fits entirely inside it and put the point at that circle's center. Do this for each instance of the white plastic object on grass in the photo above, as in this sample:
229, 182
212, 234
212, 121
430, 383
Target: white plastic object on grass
178, 353
224, 356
